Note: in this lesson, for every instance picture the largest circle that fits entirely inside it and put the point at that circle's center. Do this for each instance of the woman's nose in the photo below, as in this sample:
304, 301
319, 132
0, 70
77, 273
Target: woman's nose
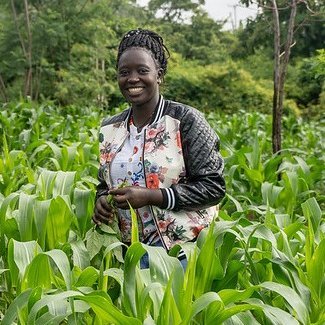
133, 77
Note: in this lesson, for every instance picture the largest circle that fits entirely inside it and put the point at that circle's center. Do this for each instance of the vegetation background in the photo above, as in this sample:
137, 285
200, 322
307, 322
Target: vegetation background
262, 262
65, 51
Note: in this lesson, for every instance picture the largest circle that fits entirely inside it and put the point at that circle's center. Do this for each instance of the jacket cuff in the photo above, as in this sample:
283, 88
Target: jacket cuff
100, 193
168, 198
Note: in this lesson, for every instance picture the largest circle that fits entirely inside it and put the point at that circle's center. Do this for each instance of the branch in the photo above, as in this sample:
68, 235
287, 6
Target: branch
292, 45
268, 7
28, 85
3, 89
277, 38
307, 6
17, 27
291, 26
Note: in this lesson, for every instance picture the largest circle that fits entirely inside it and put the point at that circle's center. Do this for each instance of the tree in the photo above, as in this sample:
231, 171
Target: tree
25, 37
282, 44
62, 50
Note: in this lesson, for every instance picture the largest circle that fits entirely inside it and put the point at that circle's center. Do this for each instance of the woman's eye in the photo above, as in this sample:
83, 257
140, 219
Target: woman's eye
143, 71
123, 73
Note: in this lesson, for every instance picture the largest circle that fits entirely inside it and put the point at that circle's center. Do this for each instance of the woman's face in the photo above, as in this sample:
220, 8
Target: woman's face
139, 77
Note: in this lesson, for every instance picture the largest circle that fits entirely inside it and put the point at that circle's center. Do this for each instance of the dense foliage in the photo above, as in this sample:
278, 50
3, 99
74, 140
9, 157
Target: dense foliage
262, 262
66, 53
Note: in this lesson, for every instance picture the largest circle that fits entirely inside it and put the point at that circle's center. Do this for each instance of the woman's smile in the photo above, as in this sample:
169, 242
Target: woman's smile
135, 90
138, 78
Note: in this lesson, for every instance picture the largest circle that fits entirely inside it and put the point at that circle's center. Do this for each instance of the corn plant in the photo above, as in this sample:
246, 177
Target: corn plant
260, 262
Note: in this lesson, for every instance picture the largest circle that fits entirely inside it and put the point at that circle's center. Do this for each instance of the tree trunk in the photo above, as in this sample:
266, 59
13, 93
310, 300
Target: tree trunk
27, 52
14, 13
276, 126
3, 90
280, 70
29, 73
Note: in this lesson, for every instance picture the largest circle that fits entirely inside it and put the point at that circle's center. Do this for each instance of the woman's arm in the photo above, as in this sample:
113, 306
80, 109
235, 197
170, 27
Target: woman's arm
204, 184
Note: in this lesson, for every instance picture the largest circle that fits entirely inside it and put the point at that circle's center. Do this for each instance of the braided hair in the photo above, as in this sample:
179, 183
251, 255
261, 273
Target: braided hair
146, 39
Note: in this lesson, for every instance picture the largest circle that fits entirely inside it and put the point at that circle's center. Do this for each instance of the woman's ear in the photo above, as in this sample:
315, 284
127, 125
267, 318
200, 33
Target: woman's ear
160, 76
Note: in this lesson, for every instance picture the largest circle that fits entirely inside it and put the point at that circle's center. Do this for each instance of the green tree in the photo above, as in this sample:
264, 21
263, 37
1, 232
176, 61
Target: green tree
67, 52
309, 30
283, 40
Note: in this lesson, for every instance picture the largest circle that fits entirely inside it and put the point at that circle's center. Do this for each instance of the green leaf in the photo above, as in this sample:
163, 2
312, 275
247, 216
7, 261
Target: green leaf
316, 270
25, 216
169, 313
58, 222
83, 200
151, 299
274, 314
63, 183
38, 273
229, 296
207, 270
56, 151
45, 183
41, 210
107, 312
80, 255
18, 304
69, 155
254, 175
87, 277
135, 227
20, 255
237, 204
132, 257
50, 319
7, 202
313, 213
298, 306
199, 305
229, 312
62, 263
47, 300
270, 193
116, 274
189, 282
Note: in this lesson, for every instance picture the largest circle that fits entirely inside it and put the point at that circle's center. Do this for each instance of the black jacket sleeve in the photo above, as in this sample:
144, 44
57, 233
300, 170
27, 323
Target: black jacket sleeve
102, 187
204, 184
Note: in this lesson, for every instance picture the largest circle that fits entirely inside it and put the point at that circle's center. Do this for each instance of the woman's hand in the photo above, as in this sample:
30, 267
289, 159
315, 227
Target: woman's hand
137, 196
103, 211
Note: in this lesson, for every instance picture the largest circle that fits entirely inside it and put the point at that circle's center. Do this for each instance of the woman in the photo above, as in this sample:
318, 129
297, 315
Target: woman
163, 151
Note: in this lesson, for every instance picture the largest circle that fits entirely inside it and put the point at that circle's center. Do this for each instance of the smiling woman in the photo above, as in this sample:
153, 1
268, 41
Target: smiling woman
165, 152
139, 79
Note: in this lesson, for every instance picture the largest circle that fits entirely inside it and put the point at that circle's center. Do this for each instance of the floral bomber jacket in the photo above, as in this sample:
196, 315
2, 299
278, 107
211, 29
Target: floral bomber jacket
181, 157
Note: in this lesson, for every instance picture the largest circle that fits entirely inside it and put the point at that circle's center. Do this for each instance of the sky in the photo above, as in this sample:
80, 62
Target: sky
231, 9
225, 9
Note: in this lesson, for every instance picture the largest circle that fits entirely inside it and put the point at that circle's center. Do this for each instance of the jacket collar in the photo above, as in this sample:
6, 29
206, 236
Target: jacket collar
157, 114
159, 110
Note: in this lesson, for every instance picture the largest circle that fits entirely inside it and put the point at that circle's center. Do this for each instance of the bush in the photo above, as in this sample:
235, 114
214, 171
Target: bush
225, 87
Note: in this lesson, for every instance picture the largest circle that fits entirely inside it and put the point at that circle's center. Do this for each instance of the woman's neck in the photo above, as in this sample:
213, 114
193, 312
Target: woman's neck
142, 114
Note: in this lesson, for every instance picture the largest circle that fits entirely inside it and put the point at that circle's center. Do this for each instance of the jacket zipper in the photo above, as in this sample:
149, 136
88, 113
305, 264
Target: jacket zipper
150, 207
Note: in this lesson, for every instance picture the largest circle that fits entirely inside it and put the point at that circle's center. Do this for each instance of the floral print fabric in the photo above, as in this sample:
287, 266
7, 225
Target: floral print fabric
127, 167
164, 166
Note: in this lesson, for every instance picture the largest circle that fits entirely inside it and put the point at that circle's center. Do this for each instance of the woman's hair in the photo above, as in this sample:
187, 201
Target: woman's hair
146, 39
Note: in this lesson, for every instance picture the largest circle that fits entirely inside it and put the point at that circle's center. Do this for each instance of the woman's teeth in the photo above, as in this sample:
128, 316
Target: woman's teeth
135, 90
